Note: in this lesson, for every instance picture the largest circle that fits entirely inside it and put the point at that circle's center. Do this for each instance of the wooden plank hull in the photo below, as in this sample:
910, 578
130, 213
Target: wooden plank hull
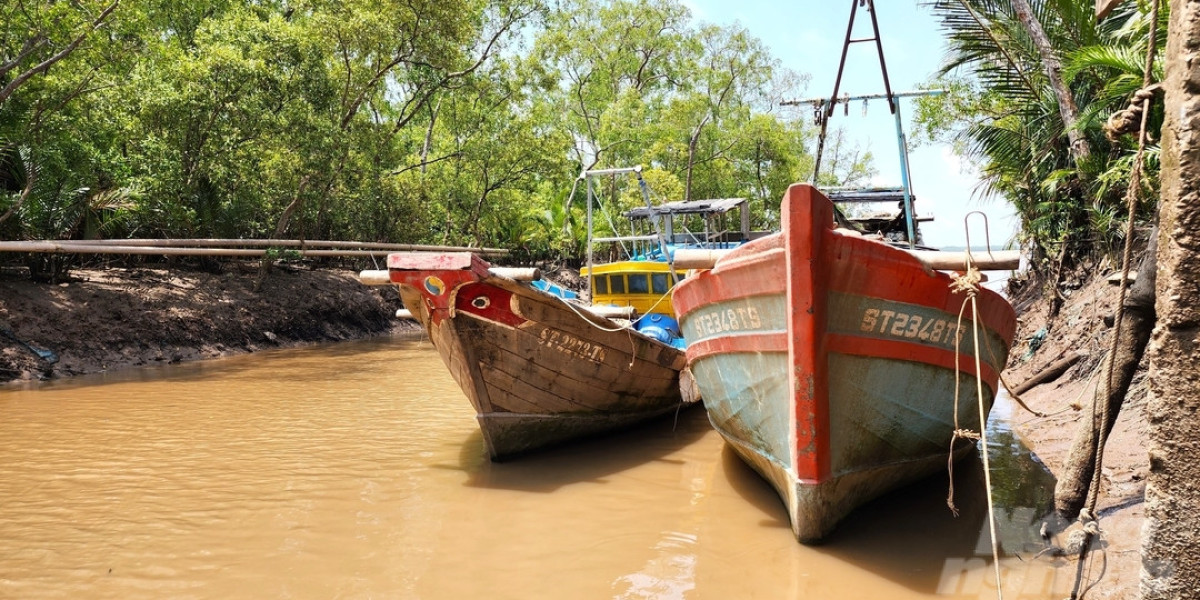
537, 370
830, 363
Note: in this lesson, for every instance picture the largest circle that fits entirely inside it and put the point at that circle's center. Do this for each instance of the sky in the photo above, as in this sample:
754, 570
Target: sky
807, 37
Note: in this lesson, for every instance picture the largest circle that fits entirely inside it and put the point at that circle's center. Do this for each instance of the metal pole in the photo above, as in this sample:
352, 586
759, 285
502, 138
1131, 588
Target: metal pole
893, 105
616, 171
828, 111
834, 101
658, 230
908, 204
590, 200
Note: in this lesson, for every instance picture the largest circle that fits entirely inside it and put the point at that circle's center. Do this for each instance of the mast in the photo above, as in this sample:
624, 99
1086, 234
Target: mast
825, 106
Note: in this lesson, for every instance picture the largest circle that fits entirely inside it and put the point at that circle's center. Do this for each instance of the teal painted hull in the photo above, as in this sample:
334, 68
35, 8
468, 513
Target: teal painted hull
890, 423
838, 367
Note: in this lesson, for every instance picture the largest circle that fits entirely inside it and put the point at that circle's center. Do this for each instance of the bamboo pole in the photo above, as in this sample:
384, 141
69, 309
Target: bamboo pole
697, 258
92, 246
377, 277
611, 312
1001, 260
1005, 260
374, 277
77, 247
517, 273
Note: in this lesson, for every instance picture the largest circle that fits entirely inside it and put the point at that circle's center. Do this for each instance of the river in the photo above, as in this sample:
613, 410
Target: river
356, 471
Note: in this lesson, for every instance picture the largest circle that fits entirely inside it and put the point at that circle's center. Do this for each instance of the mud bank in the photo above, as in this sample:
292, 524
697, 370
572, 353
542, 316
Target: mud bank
1081, 326
118, 318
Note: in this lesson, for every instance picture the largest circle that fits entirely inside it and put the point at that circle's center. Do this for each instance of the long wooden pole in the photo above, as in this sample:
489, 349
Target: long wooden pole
1004, 260
383, 277
258, 243
221, 247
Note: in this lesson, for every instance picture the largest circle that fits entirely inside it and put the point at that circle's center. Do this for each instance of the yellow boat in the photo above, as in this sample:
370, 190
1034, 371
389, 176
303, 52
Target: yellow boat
643, 285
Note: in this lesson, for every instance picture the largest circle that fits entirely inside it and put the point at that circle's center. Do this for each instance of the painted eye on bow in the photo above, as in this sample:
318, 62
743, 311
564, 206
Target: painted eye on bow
481, 302
434, 285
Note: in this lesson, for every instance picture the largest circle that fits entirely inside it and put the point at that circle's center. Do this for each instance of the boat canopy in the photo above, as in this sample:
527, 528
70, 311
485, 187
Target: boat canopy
692, 207
876, 210
890, 194
693, 224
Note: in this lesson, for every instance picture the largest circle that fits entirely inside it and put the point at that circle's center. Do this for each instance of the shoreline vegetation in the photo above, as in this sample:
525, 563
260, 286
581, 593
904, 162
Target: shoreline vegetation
118, 318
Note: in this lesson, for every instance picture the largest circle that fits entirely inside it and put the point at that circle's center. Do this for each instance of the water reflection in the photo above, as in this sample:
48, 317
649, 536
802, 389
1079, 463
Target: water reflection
357, 471
593, 461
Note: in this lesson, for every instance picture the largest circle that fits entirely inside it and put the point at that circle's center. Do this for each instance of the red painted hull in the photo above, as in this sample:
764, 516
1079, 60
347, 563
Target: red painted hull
830, 361
538, 371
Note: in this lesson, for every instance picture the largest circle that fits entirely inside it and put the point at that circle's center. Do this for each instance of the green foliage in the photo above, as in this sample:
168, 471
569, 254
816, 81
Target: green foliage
1003, 114
425, 121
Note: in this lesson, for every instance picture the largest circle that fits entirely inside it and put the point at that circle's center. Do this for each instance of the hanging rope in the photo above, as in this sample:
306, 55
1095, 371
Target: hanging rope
1142, 97
628, 326
968, 284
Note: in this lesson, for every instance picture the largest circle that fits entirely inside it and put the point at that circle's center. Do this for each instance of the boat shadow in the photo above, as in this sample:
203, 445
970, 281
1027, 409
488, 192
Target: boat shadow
592, 460
911, 537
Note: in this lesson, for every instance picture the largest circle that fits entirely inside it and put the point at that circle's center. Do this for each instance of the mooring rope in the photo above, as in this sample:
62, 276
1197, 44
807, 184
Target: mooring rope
1011, 394
589, 321
626, 327
968, 284
1142, 99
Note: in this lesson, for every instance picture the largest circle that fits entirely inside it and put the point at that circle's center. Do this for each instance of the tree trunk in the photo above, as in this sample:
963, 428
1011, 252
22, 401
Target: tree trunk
1071, 491
1050, 373
433, 114
691, 162
30, 179
1066, 102
1170, 563
297, 201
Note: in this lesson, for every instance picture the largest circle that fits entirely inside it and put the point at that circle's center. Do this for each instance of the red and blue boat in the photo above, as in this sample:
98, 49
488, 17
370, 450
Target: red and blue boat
837, 365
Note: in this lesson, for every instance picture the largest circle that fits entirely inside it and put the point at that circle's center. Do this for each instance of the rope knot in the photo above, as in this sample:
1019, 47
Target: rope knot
1129, 119
966, 434
967, 283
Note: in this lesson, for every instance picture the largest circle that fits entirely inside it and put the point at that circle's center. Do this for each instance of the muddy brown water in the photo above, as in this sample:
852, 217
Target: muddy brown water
356, 471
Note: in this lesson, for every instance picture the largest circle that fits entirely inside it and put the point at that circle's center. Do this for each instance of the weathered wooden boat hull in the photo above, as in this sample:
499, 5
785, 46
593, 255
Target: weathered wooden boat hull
828, 362
538, 371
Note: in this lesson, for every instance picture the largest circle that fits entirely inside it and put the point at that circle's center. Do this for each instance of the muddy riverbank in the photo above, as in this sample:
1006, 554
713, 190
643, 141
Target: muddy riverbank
1065, 401
117, 318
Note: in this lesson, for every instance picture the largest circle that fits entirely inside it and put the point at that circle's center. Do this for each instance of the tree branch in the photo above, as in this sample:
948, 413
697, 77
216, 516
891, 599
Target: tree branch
30, 178
407, 115
421, 165
46, 64
30, 45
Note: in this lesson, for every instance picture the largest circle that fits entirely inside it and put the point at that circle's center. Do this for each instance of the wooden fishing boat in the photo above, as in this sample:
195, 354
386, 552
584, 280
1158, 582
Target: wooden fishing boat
831, 362
538, 369
539, 365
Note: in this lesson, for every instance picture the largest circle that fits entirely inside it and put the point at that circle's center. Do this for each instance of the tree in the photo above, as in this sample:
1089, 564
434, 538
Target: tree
34, 39
46, 35
1171, 567
1010, 111
1051, 64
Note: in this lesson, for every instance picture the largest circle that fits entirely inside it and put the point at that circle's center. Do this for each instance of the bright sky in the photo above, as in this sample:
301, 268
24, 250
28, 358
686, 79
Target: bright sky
807, 36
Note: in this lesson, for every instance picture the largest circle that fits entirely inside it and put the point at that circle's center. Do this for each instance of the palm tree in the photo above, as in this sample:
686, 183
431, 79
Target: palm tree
1044, 75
